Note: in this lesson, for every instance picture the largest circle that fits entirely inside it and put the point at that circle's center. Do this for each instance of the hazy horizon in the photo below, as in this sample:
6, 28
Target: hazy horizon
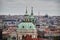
41, 7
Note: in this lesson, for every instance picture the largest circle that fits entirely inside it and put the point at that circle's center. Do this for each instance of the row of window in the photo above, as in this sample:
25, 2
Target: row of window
10, 22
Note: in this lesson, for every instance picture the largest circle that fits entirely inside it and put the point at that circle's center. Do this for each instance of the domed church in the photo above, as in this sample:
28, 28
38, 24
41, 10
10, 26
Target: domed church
27, 27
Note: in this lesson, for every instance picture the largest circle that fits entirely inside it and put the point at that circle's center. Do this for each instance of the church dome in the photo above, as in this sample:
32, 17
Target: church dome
26, 26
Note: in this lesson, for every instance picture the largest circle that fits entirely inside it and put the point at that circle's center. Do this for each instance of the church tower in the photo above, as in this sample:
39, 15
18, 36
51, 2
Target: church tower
26, 16
31, 16
26, 13
31, 11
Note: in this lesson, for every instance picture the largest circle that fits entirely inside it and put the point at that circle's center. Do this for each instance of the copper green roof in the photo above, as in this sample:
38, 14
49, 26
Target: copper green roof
26, 14
26, 26
32, 17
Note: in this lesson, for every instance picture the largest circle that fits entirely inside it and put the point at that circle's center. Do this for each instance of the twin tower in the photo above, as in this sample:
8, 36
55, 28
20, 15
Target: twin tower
29, 18
31, 11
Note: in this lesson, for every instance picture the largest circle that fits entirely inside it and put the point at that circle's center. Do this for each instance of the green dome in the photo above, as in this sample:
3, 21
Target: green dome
26, 26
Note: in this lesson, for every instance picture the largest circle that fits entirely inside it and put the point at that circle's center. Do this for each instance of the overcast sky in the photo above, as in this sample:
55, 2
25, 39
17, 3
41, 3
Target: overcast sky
41, 7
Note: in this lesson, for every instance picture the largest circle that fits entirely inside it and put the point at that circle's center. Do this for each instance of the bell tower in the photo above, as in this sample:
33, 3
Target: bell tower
31, 16
26, 13
31, 10
26, 16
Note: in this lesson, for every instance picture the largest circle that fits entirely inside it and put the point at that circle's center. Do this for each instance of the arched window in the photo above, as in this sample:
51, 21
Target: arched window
23, 37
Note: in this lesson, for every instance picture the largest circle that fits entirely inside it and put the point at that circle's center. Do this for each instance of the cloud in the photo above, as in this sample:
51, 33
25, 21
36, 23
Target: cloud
18, 6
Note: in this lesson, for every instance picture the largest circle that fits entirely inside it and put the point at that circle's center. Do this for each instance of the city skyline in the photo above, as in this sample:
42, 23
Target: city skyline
41, 7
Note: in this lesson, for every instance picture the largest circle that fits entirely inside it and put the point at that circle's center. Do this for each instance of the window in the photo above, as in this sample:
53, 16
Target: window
12, 23
30, 26
22, 26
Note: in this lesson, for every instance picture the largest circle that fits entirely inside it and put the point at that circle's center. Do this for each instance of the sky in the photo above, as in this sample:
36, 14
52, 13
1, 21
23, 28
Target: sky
40, 7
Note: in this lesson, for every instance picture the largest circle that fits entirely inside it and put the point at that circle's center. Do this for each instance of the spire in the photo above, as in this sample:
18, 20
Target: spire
26, 10
31, 10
